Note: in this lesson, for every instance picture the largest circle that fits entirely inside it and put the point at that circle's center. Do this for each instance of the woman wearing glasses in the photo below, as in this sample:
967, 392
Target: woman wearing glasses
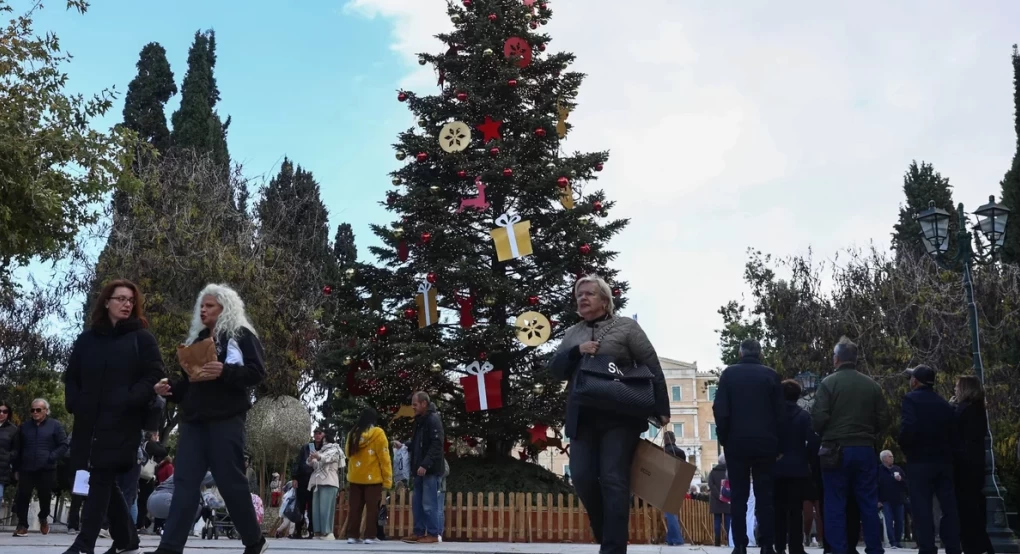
109, 384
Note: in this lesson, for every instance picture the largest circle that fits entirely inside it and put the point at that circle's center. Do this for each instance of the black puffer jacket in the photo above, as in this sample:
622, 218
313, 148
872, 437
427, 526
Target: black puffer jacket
108, 386
428, 443
9, 443
41, 445
229, 395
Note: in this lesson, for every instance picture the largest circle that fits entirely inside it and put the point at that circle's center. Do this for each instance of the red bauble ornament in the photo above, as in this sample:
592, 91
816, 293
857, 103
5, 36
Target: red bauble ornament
426, 237
540, 132
462, 96
467, 4
494, 152
511, 83
533, 300
533, 25
493, 17
563, 182
382, 331
507, 172
543, 6
541, 48
598, 167
553, 323
391, 199
483, 355
617, 291
585, 249
431, 277
462, 174
403, 374
411, 313
402, 97
327, 290
422, 156
597, 206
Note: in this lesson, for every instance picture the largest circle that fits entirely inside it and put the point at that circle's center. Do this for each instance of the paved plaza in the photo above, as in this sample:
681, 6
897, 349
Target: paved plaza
56, 544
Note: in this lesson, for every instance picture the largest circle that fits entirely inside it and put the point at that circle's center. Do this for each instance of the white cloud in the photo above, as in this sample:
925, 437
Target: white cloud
780, 126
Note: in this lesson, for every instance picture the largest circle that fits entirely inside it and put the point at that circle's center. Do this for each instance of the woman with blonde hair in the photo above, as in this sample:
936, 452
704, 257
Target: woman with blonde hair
213, 407
604, 422
969, 469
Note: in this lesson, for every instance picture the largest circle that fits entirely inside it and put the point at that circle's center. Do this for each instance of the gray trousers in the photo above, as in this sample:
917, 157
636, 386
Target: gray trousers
216, 446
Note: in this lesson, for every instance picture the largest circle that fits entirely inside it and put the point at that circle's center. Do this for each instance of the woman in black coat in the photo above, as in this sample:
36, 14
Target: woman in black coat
109, 384
8, 446
969, 468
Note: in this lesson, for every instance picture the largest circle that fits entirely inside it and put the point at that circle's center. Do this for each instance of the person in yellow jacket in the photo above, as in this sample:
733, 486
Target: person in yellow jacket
369, 471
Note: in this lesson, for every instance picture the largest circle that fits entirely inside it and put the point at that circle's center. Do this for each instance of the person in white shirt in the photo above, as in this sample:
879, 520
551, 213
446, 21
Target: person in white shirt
401, 464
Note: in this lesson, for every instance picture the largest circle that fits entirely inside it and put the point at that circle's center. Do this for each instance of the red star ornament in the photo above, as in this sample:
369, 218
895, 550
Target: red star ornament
489, 129
539, 433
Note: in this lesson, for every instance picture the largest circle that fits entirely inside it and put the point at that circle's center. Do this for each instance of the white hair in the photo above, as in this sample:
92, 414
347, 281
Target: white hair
883, 454
602, 286
41, 401
722, 459
231, 321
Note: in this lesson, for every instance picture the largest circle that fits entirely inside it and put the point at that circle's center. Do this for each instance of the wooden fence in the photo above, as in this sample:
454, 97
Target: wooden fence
531, 517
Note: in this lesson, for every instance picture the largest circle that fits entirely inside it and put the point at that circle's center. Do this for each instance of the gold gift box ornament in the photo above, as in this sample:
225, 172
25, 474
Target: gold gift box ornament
196, 355
428, 310
512, 237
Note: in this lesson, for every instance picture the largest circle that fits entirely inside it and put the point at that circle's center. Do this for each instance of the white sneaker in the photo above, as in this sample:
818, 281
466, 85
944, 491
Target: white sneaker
439, 538
354, 541
814, 543
371, 541
329, 537
104, 533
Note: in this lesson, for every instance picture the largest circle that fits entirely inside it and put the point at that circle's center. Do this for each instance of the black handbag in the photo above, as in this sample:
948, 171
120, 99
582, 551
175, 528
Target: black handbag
600, 383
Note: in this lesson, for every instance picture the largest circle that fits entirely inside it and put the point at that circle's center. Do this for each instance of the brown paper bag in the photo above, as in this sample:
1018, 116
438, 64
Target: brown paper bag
193, 357
660, 479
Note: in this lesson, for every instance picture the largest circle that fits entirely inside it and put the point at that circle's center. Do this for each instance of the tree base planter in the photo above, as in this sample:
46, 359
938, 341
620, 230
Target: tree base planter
529, 517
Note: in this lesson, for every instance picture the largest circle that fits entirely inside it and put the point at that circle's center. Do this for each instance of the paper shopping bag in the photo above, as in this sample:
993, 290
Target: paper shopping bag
194, 356
660, 479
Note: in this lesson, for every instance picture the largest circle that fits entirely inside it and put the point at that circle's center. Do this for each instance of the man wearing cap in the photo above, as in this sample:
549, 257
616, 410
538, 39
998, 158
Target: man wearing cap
928, 437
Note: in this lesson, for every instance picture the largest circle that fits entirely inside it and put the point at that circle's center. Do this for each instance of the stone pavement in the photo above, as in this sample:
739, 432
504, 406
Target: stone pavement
56, 543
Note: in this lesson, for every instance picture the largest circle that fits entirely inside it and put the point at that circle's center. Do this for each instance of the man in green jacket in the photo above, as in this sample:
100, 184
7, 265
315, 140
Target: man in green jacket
850, 415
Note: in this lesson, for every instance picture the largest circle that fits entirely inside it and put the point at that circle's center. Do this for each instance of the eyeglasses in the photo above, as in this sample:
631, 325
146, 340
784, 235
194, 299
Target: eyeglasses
37, 410
123, 299
4, 411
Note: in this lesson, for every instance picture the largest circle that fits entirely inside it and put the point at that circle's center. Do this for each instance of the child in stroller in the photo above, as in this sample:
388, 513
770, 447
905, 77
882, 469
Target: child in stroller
214, 512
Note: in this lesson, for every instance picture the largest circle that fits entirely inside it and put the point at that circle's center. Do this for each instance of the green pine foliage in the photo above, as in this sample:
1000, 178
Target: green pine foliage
197, 125
1011, 181
922, 184
523, 168
147, 95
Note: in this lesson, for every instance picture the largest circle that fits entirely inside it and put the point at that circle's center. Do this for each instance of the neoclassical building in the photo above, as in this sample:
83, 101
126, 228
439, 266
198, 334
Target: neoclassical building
691, 393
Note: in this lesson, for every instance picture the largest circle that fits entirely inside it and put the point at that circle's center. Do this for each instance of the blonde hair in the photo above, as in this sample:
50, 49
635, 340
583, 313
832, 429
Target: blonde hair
602, 286
231, 321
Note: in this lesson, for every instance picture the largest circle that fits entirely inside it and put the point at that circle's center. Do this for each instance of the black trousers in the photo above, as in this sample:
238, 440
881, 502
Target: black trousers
970, 498
740, 470
74, 517
304, 506
216, 446
41, 482
789, 499
926, 481
600, 460
105, 501
145, 489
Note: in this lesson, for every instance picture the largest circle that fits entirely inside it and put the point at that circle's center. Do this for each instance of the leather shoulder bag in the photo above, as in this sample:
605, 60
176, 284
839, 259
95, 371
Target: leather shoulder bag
600, 383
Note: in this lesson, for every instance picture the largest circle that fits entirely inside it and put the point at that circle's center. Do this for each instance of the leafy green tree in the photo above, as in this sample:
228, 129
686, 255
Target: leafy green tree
43, 132
197, 125
147, 95
738, 326
1011, 181
921, 185
514, 110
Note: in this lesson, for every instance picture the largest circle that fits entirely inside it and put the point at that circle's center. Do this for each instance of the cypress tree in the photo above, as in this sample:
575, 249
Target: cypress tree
1011, 182
921, 185
147, 95
197, 125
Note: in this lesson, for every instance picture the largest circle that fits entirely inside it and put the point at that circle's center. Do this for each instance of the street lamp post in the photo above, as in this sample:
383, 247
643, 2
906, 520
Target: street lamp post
991, 222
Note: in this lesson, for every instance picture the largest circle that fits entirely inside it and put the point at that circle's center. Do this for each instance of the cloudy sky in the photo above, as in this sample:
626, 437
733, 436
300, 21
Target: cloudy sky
779, 126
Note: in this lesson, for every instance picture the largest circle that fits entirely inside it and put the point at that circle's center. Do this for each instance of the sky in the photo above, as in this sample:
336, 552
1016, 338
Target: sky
778, 126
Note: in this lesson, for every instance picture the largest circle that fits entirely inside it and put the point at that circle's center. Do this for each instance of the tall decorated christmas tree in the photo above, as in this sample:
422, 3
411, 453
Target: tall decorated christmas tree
493, 224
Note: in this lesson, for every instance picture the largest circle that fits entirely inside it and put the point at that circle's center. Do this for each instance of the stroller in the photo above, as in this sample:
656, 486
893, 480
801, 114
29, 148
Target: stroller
214, 513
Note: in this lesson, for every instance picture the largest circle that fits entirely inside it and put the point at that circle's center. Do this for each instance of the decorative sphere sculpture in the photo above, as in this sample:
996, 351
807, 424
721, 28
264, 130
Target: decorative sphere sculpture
276, 427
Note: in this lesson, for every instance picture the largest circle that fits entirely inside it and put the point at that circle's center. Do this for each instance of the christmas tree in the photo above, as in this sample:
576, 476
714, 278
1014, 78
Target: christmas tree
493, 224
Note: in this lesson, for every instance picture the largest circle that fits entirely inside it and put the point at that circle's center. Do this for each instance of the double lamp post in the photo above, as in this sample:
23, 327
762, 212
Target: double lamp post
991, 223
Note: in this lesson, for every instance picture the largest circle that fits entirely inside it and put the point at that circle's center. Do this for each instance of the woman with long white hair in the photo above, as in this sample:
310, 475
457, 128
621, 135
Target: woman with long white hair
213, 407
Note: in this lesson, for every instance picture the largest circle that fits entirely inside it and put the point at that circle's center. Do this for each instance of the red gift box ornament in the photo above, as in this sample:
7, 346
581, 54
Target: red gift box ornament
482, 388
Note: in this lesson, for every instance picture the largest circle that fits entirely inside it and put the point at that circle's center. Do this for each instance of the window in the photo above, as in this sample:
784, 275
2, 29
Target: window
653, 431
711, 432
711, 393
678, 430
677, 394
566, 469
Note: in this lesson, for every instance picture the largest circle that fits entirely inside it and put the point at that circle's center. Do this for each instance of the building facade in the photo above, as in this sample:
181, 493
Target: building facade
691, 394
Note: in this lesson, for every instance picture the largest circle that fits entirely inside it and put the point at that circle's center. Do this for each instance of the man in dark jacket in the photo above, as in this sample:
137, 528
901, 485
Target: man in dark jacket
749, 412
892, 493
427, 466
720, 510
850, 415
43, 442
796, 444
929, 438
300, 474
